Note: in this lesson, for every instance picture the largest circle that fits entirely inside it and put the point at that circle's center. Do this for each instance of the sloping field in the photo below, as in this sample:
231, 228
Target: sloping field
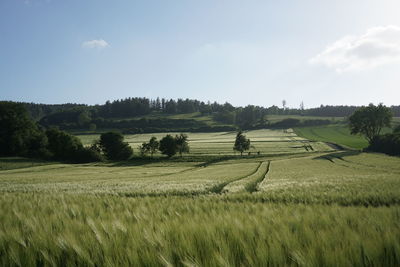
338, 134
148, 179
340, 177
299, 203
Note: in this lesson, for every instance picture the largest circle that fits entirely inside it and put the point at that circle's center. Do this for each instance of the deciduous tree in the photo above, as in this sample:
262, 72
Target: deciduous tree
369, 121
168, 145
182, 144
114, 147
241, 143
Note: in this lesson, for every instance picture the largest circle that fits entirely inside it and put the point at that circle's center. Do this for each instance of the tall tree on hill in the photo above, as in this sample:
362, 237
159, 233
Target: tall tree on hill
241, 143
370, 120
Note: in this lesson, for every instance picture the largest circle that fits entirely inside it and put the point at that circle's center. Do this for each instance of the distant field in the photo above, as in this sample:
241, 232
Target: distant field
298, 203
194, 116
268, 142
338, 134
276, 118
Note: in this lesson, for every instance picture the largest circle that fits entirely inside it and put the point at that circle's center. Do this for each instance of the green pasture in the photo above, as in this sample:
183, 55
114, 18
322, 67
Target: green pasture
277, 118
338, 134
297, 203
267, 142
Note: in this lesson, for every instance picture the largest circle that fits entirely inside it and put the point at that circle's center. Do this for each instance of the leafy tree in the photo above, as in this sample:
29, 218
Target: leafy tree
241, 143
150, 147
153, 145
168, 145
182, 144
64, 146
387, 143
370, 120
19, 135
144, 149
114, 147
397, 129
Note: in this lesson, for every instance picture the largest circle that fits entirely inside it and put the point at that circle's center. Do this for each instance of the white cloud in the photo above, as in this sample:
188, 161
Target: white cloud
378, 46
99, 44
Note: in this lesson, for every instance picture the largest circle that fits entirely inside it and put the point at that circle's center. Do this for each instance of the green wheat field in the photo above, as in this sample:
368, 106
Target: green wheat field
289, 202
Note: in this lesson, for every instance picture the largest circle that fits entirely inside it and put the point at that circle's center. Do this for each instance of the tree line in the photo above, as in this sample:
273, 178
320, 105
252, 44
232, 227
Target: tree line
21, 136
74, 116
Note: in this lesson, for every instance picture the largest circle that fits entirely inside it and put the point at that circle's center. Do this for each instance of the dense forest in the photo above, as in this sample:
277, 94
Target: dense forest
129, 115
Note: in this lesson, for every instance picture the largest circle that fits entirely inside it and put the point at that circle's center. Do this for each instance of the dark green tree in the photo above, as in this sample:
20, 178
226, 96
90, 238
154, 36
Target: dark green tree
153, 145
64, 146
150, 147
114, 147
241, 143
144, 149
168, 145
369, 121
19, 135
182, 144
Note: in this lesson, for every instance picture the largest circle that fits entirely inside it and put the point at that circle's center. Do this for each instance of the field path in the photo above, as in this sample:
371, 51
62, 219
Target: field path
220, 187
250, 182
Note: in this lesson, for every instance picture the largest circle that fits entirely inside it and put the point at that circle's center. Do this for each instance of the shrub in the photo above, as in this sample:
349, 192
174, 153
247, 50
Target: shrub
88, 154
114, 147
387, 143
64, 146
168, 145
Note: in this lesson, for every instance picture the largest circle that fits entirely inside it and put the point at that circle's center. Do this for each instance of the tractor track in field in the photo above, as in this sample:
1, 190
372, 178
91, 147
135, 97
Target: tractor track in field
219, 187
250, 182
259, 181
254, 186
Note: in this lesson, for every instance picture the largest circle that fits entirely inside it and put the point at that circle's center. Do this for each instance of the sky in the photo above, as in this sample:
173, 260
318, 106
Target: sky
244, 52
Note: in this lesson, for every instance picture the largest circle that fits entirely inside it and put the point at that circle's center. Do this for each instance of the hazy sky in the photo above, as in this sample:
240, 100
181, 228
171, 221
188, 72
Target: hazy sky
243, 52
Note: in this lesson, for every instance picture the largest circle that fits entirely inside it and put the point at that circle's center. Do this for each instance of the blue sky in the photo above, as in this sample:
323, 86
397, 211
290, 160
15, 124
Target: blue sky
243, 52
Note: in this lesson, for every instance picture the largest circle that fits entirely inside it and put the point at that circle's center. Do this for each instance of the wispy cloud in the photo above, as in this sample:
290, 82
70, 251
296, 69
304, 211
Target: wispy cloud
98, 44
378, 46
30, 2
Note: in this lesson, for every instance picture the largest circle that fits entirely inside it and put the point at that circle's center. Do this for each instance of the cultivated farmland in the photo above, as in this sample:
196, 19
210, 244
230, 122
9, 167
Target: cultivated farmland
296, 202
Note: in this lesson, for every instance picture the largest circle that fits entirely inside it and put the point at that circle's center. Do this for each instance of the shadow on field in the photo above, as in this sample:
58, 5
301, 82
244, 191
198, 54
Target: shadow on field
203, 161
338, 155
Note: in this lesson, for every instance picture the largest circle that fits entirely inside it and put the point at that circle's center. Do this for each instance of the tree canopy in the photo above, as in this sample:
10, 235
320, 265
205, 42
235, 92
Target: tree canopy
369, 121
19, 135
241, 143
114, 147
168, 145
182, 144
150, 147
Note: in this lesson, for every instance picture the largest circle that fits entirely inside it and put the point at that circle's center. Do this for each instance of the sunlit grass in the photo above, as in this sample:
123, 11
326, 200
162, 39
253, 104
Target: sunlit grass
89, 230
288, 206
